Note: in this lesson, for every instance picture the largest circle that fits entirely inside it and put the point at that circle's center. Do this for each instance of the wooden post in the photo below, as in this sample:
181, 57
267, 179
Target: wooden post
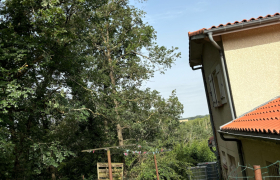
156, 166
109, 164
258, 172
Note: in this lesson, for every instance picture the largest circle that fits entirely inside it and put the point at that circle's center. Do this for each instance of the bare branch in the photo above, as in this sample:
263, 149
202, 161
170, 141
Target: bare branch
148, 117
128, 139
98, 114
126, 127
83, 86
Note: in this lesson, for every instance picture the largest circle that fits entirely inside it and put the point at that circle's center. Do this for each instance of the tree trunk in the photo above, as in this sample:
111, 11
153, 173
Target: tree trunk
14, 140
120, 136
52, 169
53, 176
113, 83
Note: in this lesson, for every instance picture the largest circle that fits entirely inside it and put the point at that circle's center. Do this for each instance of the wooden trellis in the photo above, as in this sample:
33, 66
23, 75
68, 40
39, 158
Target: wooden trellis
103, 171
109, 165
113, 171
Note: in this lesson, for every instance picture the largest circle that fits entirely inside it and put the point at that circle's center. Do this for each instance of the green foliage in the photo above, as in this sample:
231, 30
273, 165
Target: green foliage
195, 117
197, 129
117, 44
192, 141
168, 167
195, 152
40, 51
189, 147
71, 75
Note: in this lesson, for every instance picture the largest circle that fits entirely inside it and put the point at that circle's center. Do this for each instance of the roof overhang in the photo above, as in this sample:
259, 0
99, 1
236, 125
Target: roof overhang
196, 43
199, 37
195, 50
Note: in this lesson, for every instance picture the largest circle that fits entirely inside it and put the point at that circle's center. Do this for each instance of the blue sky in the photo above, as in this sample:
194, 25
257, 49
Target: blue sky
173, 20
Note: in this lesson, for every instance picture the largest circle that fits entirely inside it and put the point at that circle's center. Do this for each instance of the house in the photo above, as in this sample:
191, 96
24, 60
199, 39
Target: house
240, 65
183, 120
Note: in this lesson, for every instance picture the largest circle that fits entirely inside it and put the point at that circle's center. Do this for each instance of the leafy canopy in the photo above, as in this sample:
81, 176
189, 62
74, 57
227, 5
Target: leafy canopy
71, 78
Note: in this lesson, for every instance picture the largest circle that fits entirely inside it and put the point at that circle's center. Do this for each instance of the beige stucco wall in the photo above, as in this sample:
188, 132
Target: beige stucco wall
258, 152
253, 62
221, 115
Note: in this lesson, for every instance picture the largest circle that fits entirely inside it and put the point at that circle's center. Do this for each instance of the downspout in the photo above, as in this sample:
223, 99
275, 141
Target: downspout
196, 68
211, 121
224, 73
233, 115
239, 147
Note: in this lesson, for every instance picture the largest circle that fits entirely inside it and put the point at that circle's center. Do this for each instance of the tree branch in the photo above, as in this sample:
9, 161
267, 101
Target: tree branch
89, 110
126, 127
148, 118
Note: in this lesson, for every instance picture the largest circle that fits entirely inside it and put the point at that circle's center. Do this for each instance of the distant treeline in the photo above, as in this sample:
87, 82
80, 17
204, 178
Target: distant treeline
198, 116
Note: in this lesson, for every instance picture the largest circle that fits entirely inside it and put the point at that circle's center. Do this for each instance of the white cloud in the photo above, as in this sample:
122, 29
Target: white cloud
198, 7
162, 16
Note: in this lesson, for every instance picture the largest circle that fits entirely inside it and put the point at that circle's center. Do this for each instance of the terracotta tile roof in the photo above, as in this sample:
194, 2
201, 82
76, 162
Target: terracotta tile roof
201, 31
264, 119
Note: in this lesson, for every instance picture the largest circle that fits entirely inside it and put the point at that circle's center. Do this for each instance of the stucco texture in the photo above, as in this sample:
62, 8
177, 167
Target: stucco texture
221, 115
259, 152
253, 62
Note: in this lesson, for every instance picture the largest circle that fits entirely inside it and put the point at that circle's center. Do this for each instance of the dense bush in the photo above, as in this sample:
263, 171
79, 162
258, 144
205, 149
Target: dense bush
189, 147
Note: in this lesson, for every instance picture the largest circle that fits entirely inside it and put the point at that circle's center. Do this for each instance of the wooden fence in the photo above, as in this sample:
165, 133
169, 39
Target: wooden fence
103, 171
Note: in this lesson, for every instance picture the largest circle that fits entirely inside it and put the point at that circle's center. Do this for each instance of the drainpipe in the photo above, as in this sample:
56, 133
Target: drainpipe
211, 120
233, 115
224, 73
196, 68
241, 157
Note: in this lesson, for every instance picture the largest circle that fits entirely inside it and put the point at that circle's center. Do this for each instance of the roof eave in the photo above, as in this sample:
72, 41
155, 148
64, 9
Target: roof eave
251, 135
202, 33
195, 49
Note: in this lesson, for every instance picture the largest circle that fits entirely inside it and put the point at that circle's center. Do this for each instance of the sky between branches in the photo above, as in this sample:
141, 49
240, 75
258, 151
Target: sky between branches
173, 20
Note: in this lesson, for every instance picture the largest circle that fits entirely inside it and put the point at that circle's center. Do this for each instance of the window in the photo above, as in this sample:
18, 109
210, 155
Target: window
273, 170
217, 90
232, 167
224, 165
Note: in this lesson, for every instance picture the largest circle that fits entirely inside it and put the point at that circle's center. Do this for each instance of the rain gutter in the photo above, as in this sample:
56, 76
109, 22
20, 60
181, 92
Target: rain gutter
254, 135
244, 25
